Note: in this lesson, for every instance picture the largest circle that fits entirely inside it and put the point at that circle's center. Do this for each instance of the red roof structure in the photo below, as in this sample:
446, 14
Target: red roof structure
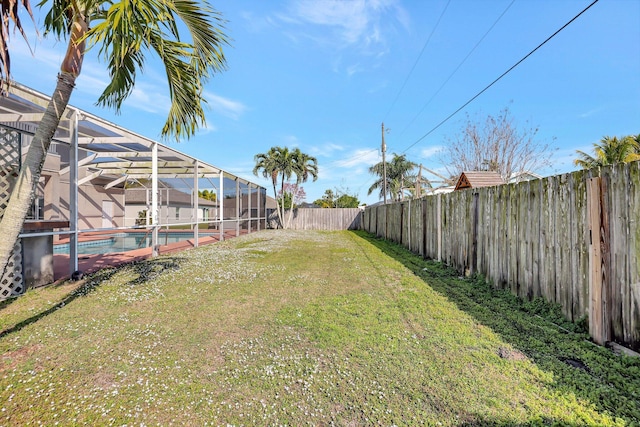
477, 179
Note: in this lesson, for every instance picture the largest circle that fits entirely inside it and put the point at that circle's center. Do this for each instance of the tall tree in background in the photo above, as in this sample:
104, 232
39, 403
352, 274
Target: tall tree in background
281, 164
399, 177
304, 166
339, 199
496, 144
269, 165
327, 200
610, 151
122, 34
347, 201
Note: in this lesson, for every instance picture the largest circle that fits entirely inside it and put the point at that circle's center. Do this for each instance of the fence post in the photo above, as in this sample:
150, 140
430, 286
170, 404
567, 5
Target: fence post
439, 224
474, 237
597, 267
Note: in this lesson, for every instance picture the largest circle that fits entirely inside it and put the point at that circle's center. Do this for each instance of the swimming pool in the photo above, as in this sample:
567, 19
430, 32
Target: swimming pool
123, 242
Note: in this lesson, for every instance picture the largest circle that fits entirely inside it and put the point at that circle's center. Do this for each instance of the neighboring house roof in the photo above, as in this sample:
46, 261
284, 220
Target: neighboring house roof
138, 196
524, 176
442, 190
308, 205
477, 179
271, 202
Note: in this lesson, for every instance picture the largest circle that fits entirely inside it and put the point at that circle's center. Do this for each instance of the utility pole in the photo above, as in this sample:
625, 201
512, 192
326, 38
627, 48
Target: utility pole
419, 183
384, 167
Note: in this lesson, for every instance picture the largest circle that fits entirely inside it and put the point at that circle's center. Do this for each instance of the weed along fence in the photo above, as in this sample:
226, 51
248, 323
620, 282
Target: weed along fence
572, 239
321, 219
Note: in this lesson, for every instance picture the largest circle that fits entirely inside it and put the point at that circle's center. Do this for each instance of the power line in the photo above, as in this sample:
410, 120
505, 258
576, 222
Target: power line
417, 60
500, 77
457, 68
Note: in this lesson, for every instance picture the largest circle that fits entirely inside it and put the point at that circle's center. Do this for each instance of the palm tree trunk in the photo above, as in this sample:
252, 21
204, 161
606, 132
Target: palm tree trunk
293, 197
282, 218
275, 196
24, 190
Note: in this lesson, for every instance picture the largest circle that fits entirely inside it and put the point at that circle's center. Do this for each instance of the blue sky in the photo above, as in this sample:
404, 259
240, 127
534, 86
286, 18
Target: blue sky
323, 75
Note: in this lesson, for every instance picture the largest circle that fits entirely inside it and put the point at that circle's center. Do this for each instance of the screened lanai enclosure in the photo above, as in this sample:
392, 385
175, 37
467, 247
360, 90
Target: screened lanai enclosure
106, 189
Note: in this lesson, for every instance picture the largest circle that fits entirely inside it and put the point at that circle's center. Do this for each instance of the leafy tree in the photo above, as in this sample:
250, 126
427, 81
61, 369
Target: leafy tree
610, 151
122, 33
293, 195
142, 218
208, 195
347, 201
495, 145
336, 200
327, 200
399, 177
286, 200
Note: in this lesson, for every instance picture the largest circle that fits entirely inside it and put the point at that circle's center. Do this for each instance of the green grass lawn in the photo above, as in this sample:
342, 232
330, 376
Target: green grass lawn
301, 328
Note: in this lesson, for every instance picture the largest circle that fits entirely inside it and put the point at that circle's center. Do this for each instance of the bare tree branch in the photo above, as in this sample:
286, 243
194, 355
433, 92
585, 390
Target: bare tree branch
496, 144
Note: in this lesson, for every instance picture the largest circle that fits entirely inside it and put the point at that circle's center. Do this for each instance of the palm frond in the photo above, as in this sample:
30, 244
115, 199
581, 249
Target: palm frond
127, 30
9, 9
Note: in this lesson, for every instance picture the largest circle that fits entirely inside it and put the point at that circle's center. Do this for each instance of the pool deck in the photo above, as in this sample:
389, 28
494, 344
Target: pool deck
94, 262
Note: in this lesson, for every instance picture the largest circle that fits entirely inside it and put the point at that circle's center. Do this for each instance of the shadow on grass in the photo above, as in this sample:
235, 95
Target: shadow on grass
536, 328
146, 270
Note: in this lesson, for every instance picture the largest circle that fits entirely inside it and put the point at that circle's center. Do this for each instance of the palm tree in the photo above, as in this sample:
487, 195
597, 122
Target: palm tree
610, 151
269, 165
303, 166
280, 163
122, 33
401, 170
399, 177
636, 140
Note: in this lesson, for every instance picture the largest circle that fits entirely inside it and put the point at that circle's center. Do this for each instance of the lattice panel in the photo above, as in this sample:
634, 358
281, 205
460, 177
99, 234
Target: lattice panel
12, 283
9, 164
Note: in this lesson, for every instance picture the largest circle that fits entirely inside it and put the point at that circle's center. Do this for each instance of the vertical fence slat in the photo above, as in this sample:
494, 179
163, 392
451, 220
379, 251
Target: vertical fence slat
581, 297
633, 251
499, 252
548, 279
596, 306
535, 211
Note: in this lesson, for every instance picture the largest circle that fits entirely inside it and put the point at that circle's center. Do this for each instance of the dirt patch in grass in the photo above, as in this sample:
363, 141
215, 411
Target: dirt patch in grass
11, 359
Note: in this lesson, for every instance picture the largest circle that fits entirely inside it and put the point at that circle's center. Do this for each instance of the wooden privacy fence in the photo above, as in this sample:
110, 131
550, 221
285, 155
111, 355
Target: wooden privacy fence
573, 239
321, 219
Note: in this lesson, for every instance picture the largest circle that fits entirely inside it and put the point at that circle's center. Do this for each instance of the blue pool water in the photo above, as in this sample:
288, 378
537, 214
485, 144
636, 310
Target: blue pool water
122, 242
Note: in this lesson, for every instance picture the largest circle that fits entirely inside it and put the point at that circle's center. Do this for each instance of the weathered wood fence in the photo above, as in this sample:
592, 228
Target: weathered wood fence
322, 219
573, 239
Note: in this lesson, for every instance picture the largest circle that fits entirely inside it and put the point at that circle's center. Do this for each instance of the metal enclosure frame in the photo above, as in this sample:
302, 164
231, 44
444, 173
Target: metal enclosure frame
101, 153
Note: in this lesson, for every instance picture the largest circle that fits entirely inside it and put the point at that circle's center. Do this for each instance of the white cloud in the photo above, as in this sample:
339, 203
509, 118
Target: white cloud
351, 19
290, 141
430, 151
359, 158
590, 113
326, 150
353, 69
207, 128
148, 98
224, 106
257, 23
354, 22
